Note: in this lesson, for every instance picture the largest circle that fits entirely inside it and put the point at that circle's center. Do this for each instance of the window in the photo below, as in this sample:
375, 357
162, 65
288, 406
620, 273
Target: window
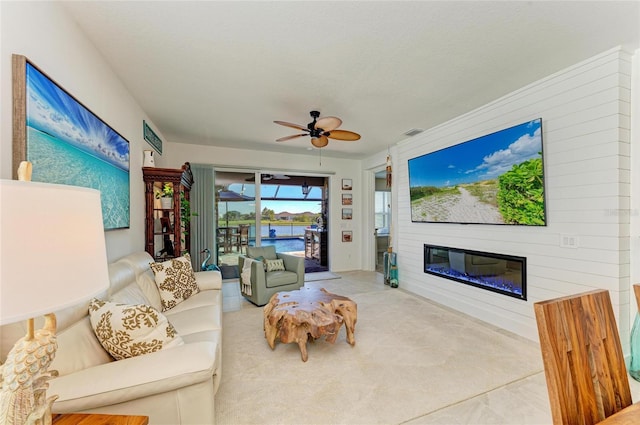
382, 211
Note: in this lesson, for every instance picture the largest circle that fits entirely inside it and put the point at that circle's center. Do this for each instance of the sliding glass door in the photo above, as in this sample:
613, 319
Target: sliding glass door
257, 209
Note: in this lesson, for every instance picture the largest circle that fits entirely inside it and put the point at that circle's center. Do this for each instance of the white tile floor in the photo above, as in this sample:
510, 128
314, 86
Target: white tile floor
523, 401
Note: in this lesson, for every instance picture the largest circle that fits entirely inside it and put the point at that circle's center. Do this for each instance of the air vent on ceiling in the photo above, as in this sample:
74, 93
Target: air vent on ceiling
413, 132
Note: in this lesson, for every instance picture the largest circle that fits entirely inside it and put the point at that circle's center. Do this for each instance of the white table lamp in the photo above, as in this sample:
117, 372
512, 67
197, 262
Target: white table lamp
52, 256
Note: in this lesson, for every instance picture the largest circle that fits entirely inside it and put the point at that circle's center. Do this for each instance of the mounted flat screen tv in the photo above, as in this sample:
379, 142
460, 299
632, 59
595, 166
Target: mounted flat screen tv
494, 179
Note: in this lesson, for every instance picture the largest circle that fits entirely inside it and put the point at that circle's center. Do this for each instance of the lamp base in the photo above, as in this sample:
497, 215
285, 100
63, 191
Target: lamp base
23, 398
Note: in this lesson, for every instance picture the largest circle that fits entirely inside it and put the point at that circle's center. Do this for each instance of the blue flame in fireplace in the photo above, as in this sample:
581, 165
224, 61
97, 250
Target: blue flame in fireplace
505, 274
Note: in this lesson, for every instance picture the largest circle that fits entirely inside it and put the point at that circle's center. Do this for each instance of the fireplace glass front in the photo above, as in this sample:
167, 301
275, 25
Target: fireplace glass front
505, 274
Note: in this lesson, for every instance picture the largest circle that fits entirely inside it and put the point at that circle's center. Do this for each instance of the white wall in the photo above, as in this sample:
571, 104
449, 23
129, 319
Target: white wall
49, 38
343, 256
585, 114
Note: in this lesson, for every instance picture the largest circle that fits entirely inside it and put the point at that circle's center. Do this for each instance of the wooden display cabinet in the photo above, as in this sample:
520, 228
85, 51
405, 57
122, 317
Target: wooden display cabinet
166, 229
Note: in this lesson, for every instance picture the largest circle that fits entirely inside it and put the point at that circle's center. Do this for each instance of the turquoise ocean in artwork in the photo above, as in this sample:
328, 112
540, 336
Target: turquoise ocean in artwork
56, 161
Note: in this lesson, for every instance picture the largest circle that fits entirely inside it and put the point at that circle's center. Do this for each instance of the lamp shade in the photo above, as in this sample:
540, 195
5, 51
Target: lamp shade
52, 248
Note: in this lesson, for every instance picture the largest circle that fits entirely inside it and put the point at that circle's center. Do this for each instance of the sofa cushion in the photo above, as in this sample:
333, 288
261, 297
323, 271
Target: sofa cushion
199, 319
131, 330
147, 283
201, 299
78, 348
280, 278
268, 252
274, 265
130, 294
211, 279
176, 281
139, 263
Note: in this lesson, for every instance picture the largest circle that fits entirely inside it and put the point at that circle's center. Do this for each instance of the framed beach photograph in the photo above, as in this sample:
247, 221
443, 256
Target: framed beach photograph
347, 184
67, 143
347, 213
347, 199
347, 236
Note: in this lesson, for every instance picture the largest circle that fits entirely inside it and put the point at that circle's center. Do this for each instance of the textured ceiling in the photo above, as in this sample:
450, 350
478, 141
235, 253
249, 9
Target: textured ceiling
219, 73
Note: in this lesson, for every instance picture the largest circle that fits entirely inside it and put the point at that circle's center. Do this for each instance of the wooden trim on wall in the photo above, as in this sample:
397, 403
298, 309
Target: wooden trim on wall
19, 88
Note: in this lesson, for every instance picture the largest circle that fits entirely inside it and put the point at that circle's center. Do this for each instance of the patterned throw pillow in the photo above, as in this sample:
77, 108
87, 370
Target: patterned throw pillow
274, 265
175, 280
131, 330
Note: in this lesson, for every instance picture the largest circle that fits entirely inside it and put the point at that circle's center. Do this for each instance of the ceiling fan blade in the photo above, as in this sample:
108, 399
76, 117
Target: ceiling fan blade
320, 142
282, 139
288, 124
328, 123
343, 135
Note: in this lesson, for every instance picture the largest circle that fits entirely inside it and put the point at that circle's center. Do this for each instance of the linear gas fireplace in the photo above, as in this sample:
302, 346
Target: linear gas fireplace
505, 274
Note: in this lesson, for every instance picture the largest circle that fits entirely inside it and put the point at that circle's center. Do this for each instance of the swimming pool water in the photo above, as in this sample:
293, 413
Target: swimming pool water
283, 245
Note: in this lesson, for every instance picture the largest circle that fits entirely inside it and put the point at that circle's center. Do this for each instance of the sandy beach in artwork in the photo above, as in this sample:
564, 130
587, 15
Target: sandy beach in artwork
457, 208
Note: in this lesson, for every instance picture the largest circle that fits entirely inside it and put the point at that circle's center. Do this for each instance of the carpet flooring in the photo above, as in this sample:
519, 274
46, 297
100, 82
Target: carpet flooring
414, 362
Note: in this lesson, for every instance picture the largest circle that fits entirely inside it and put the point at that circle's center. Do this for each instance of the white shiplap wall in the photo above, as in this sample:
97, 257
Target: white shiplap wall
585, 113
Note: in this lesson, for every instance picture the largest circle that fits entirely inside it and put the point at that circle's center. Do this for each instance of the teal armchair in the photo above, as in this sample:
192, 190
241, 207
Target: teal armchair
263, 284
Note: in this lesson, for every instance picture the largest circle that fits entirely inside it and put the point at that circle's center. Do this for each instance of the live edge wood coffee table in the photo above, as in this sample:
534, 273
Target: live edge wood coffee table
296, 316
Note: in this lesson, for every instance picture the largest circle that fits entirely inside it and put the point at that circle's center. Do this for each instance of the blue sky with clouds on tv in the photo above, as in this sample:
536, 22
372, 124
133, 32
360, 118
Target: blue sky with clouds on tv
484, 158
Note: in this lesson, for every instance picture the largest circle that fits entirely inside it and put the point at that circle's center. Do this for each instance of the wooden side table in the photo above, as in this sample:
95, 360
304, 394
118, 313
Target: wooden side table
98, 419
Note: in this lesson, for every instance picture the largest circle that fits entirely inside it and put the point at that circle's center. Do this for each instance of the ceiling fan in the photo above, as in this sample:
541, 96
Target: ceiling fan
320, 130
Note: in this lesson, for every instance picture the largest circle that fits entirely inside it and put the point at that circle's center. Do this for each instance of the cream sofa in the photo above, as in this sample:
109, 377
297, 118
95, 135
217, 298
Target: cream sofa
172, 386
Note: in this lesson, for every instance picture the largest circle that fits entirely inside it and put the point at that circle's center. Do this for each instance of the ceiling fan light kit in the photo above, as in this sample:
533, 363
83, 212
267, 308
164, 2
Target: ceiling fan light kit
320, 130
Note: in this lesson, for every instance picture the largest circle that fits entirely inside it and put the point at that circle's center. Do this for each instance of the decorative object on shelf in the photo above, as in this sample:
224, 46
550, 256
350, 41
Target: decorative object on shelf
166, 203
166, 196
72, 269
167, 251
320, 130
80, 140
347, 236
148, 160
347, 184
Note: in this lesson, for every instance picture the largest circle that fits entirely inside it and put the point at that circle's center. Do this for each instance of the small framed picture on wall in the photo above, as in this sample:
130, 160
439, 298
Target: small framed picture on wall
347, 236
347, 213
347, 199
347, 184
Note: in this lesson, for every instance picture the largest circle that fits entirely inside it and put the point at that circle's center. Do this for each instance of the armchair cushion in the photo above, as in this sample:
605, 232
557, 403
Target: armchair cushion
267, 252
280, 278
